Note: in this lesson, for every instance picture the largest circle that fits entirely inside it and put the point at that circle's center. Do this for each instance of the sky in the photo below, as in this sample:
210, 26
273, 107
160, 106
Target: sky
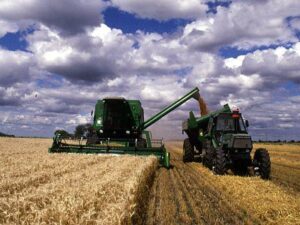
57, 57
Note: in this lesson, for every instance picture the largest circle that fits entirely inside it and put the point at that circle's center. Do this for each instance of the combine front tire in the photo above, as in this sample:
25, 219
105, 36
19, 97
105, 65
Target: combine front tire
263, 162
142, 143
92, 139
219, 166
188, 151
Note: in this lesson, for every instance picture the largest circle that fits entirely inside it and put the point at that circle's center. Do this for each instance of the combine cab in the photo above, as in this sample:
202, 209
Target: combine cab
119, 128
220, 139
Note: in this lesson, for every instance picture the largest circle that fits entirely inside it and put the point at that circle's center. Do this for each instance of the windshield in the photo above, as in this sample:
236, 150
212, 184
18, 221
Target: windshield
242, 126
225, 122
118, 115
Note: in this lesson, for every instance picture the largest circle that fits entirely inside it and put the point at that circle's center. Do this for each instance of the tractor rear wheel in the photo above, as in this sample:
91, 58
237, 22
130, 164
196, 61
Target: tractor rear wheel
263, 162
219, 165
188, 151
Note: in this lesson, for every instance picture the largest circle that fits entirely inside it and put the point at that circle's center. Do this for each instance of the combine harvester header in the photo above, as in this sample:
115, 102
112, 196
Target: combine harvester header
119, 128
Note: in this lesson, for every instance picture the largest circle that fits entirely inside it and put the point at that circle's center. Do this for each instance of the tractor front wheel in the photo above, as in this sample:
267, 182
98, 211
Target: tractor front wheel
188, 151
240, 168
263, 162
219, 165
208, 157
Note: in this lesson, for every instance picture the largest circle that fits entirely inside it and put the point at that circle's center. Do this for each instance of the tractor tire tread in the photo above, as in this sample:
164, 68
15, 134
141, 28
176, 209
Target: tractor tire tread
188, 151
220, 162
262, 156
208, 157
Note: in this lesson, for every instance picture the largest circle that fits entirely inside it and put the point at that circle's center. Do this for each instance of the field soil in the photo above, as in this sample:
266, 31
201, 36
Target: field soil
191, 194
41, 188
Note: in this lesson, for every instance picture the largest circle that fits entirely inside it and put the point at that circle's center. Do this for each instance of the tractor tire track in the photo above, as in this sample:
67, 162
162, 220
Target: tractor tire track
194, 199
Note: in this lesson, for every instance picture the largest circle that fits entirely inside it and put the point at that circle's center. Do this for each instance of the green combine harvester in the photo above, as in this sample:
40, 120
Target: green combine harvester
221, 141
119, 128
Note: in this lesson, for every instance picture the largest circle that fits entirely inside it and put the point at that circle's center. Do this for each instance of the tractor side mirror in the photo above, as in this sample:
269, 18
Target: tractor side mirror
247, 123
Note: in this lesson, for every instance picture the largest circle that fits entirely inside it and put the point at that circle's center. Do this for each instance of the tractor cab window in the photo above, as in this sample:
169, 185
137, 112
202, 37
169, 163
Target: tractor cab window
225, 123
242, 126
231, 123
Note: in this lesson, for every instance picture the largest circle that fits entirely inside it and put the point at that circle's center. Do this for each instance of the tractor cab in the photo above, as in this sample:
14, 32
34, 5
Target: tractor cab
230, 131
117, 118
231, 123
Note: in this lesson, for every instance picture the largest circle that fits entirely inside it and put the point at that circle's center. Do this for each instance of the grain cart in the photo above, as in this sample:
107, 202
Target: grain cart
220, 139
119, 128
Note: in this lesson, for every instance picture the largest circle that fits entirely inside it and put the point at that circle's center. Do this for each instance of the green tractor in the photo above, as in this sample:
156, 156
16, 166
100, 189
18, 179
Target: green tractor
221, 141
119, 128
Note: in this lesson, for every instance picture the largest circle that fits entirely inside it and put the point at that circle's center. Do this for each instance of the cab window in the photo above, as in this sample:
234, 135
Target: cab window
225, 123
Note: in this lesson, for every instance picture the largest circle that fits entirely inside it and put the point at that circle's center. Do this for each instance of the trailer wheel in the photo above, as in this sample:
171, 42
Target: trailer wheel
263, 162
219, 165
188, 151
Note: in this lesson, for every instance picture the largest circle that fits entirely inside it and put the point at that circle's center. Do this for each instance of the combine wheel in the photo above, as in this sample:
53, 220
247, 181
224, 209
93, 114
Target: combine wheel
188, 151
262, 161
219, 165
142, 143
92, 139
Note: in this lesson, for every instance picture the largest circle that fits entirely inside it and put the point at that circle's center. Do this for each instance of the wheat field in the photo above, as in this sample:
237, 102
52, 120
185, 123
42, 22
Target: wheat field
41, 188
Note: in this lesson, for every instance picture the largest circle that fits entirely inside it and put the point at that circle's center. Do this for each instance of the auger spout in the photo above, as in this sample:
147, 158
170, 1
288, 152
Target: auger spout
192, 94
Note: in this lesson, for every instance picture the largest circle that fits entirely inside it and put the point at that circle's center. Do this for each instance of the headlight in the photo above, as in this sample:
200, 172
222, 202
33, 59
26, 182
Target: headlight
200, 132
99, 121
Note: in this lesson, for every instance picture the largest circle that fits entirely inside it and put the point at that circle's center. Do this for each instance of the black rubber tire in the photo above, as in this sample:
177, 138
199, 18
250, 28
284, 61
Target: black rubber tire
92, 139
240, 168
188, 151
262, 160
142, 143
219, 164
208, 157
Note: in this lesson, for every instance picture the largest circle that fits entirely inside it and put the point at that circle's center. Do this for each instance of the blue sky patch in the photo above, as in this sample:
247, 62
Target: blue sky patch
233, 52
292, 88
212, 5
129, 23
14, 41
53, 81
183, 71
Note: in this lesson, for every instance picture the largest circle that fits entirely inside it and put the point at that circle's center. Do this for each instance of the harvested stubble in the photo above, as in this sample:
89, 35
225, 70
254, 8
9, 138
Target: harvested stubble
191, 194
41, 188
